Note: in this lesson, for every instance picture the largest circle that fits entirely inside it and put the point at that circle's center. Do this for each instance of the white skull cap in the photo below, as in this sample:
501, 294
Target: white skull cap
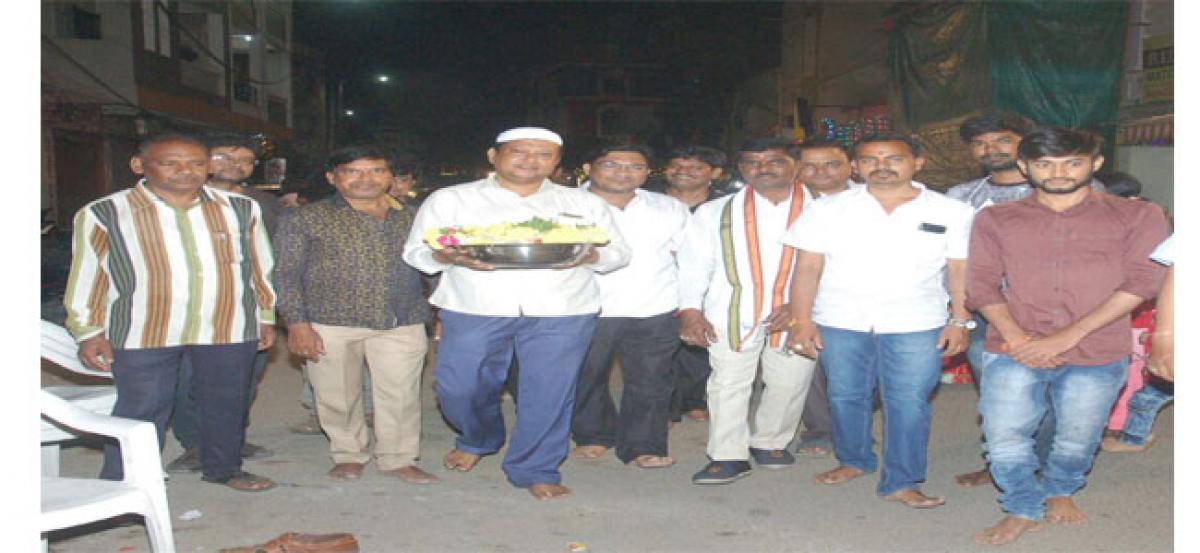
529, 133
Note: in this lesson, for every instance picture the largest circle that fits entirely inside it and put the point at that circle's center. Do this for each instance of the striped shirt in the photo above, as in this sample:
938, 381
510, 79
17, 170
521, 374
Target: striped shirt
151, 275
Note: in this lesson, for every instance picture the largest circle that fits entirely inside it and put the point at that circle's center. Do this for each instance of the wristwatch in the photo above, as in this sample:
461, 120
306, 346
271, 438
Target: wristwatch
968, 324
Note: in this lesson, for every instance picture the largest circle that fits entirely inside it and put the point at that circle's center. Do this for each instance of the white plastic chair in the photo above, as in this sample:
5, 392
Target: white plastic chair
70, 502
59, 347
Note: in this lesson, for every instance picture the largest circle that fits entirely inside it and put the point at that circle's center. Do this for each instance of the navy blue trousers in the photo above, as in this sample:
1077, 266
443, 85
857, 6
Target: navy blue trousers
146, 380
473, 360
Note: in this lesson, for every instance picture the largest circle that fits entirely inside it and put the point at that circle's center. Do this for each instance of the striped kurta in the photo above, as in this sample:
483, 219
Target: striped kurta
148, 274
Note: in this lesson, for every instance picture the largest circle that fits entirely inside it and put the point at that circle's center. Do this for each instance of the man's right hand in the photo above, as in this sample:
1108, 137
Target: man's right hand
805, 336
305, 342
452, 255
96, 353
695, 330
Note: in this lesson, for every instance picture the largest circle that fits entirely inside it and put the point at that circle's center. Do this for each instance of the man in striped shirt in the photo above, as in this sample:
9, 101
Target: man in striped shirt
169, 270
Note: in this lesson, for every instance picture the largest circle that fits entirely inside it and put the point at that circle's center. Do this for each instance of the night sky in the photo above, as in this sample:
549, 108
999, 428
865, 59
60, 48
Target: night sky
457, 68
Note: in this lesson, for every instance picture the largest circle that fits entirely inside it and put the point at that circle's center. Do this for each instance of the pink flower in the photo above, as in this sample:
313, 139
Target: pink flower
447, 240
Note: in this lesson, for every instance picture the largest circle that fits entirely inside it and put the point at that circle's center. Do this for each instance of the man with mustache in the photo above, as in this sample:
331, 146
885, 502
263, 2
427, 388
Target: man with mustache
545, 316
1056, 274
871, 294
733, 298
348, 297
172, 272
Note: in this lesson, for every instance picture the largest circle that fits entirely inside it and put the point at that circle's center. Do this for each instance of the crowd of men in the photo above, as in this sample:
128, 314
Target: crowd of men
830, 269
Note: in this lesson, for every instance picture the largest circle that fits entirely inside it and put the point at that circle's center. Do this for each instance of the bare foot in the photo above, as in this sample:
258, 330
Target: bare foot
838, 475
460, 460
588, 451
653, 461
1115, 445
697, 414
916, 499
1007, 531
544, 492
972, 479
1061, 510
412, 474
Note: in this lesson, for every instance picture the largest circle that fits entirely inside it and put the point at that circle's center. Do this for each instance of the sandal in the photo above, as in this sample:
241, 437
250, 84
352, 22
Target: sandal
243, 481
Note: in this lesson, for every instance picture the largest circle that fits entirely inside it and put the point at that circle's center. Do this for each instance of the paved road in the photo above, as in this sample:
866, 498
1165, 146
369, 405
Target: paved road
622, 509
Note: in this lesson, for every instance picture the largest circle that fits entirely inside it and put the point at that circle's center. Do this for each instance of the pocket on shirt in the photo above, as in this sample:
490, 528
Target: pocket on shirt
224, 249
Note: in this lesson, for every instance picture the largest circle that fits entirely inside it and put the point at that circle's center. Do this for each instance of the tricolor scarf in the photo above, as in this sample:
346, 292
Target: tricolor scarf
749, 225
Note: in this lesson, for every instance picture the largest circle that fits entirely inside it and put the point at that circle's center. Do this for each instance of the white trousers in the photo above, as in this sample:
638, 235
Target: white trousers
786, 379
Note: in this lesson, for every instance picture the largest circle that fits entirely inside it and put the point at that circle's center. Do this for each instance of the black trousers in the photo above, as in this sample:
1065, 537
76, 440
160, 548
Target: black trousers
816, 418
645, 347
690, 370
146, 380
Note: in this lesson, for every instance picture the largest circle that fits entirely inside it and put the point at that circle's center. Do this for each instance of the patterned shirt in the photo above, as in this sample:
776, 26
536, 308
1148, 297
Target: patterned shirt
340, 266
150, 275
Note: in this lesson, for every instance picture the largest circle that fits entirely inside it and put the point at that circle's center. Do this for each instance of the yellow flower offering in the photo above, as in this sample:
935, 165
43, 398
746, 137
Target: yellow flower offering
533, 231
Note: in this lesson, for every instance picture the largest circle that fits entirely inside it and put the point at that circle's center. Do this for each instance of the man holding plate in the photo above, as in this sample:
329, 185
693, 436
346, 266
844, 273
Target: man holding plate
545, 315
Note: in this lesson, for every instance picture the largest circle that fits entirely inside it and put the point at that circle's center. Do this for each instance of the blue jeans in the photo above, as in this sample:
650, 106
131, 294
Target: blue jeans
1143, 407
906, 367
472, 363
184, 423
1013, 401
1045, 433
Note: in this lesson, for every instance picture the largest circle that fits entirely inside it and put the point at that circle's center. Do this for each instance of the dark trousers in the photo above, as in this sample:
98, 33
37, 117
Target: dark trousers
184, 423
817, 421
690, 370
146, 380
645, 347
472, 363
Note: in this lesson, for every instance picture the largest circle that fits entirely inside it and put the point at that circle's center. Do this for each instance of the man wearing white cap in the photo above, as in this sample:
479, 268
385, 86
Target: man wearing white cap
545, 315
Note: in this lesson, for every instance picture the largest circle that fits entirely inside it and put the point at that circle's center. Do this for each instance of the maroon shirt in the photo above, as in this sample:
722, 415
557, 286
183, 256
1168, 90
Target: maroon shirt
1058, 267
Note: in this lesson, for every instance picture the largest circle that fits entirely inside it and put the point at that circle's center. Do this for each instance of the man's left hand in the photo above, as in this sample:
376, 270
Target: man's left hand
1043, 351
266, 337
953, 340
779, 318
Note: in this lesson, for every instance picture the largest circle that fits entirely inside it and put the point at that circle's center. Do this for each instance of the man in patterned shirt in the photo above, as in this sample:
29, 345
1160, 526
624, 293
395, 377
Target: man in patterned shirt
167, 272
346, 297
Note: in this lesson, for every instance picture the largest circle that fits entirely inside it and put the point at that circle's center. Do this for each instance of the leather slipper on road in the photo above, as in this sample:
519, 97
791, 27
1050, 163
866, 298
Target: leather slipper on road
293, 542
244, 482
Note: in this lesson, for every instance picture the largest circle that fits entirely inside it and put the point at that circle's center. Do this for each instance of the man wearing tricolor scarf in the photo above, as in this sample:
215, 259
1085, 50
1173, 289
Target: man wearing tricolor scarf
733, 280
880, 290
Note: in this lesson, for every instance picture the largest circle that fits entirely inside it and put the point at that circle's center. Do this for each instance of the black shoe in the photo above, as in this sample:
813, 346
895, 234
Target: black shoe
772, 458
188, 462
251, 451
722, 472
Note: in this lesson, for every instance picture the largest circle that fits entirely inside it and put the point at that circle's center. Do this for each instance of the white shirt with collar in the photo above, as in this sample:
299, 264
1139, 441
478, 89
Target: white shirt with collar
703, 284
883, 272
514, 292
649, 285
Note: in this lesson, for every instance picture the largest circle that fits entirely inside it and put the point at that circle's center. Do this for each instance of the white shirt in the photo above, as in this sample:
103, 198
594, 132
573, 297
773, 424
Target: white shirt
649, 285
702, 281
883, 273
514, 292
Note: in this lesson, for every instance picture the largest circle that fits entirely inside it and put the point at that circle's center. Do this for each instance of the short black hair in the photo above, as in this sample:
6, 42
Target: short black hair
232, 140
646, 151
889, 137
149, 140
1058, 141
711, 156
769, 143
822, 143
405, 163
1120, 183
350, 154
996, 121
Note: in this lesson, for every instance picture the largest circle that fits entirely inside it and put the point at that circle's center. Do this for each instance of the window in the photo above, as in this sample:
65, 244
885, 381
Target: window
156, 27
79, 20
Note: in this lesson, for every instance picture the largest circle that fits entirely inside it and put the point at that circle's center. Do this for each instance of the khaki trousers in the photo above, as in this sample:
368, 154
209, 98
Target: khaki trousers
786, 379
395, 358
